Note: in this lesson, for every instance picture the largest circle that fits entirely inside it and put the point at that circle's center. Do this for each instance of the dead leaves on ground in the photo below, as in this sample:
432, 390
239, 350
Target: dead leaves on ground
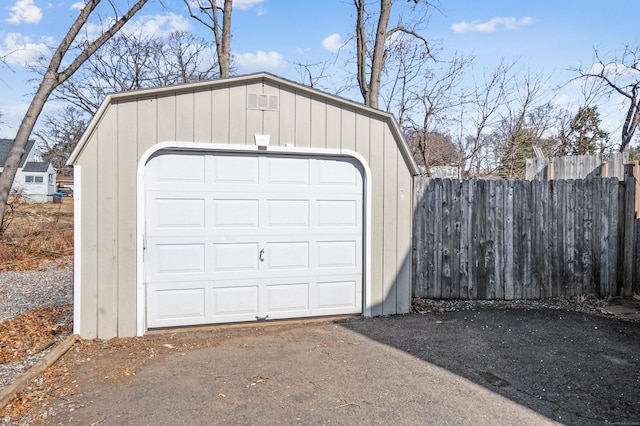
33, 331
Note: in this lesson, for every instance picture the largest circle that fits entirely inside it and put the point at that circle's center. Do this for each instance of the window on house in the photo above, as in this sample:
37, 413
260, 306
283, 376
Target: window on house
33, 179
50, 179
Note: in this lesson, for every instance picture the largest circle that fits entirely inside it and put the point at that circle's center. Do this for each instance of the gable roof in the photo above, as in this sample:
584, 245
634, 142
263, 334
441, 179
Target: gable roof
5, 147
36, 167
261, 76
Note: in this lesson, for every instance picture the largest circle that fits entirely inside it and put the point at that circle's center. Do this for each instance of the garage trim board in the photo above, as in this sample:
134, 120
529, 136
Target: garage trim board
234, 152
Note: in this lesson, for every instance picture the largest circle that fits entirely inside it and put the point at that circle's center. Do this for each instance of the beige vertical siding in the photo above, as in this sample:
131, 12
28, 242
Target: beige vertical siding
202, 125
404, 227
376, 164
88, 240
217, 113
107, 274
220, 118
126, 235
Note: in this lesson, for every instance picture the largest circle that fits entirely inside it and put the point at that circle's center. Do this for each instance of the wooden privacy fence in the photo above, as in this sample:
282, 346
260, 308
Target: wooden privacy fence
496, 239
578, 166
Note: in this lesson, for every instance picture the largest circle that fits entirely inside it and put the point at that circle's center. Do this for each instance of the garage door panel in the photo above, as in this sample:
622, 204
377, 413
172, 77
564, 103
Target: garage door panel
291, 297
287, 171
179, 258
235, 213
234, 300
342, 213
170, 306
180, 168
342, 173
337, 254
235, 257
171, 213
235, 169
287, 255
337, 294
287, 213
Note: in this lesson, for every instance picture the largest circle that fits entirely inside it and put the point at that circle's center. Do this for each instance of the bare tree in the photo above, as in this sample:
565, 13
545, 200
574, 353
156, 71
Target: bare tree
207, 12
477, 118
134, 61
620, 76
526, 118
313, 73
442, 151
60, 134
372, 56
53, 77
425, 111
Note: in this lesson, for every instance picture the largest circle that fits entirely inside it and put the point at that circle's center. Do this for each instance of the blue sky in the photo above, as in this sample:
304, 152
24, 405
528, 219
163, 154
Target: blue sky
546, 36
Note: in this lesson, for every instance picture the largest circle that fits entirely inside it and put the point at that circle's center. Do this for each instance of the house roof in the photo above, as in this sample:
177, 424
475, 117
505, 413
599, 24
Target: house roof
36, 167
261, 76
5, 146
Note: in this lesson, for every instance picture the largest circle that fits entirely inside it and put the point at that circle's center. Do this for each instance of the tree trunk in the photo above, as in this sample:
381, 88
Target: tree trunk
379, 54
19, 144
630, 123
224, 52
361, 51
222, 35
52, 79
370, 89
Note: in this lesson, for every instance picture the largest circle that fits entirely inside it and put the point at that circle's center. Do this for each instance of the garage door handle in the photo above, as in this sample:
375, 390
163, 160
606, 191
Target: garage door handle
261, 255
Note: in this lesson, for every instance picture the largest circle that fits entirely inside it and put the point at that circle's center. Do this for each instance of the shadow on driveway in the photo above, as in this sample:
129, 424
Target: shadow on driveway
574, 368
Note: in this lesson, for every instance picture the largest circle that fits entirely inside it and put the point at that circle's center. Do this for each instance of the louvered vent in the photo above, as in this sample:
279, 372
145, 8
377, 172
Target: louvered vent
262, 102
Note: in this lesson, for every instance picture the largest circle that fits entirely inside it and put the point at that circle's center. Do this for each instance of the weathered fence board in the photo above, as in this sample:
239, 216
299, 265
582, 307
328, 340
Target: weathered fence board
496, 239
577, 167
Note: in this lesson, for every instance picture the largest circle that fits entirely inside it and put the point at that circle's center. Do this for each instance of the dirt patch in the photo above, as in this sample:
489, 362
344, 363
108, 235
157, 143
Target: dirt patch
36, 233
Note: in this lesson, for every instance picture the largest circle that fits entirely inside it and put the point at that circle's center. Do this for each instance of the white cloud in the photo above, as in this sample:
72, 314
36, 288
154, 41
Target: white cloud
158, 25
333, 43
259, 61
509, 23
21, 50
247, 4
146, 25
79, 5
564, 100
24, 11
612, 70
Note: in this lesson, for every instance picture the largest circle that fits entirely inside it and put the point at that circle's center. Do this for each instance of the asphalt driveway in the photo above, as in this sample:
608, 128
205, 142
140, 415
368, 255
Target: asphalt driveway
485, 366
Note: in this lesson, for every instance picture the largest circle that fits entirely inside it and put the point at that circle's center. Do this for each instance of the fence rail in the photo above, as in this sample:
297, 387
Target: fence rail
496, 239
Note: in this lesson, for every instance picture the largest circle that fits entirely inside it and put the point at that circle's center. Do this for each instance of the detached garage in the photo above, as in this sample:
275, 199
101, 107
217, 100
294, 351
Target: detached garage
243, 199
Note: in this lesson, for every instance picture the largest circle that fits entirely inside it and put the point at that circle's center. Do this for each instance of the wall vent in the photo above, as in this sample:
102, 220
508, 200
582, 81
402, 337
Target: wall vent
262, 102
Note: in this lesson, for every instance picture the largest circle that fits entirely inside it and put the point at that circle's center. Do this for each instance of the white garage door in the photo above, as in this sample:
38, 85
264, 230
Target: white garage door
242, 237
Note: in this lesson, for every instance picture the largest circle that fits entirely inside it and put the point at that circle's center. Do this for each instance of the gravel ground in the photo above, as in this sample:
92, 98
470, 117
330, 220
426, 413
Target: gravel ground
22, 291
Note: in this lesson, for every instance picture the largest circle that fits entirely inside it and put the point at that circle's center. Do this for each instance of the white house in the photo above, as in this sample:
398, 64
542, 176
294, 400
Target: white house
35, 179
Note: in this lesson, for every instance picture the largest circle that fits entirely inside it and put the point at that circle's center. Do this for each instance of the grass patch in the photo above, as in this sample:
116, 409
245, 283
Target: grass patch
36, 234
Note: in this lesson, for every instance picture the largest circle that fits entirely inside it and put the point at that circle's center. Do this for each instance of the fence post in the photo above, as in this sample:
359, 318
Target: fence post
629, 232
